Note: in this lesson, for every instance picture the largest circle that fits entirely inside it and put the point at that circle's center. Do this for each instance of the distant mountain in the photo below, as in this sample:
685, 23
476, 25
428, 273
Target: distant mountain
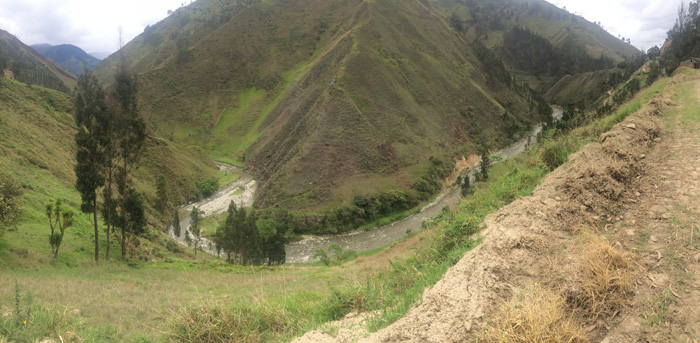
71, 57
100, 55
31, 67
328, 100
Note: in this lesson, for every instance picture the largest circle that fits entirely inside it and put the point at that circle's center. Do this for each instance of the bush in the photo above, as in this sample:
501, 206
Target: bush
207, 187
10, 191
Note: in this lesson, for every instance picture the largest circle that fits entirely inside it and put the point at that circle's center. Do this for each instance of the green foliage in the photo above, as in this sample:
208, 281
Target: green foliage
22, 313
465, 187
132, 217
682, 37
322, 256
484, 165
92, 118
527, 51
340, 255
161, 194
250, 238
456, 22
194, 229
206, 187
129, 134
176, 223
60, 218
10, 193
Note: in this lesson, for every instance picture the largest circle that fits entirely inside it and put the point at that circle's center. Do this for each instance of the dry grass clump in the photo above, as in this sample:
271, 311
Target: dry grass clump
539, 317
604, 279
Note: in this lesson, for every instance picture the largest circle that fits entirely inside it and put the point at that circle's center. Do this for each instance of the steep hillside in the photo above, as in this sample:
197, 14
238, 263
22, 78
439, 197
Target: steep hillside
37, 147
328, 101
324, 100
68, 56
30, 67
538, 41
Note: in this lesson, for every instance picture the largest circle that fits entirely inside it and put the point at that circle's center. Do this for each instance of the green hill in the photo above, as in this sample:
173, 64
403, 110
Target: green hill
37, 148
30, 67
325, 101
537, 41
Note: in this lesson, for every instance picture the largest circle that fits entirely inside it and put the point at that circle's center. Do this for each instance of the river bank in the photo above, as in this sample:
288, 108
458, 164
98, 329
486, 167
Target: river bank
242, 192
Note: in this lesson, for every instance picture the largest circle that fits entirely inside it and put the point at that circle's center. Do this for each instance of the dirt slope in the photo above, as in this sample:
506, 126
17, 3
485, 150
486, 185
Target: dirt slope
637, 187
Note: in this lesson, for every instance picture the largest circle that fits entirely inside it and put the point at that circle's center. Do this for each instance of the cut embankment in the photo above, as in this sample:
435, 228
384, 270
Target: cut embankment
533, 252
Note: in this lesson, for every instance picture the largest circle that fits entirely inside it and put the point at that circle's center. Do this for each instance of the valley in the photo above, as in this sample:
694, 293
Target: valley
350, 171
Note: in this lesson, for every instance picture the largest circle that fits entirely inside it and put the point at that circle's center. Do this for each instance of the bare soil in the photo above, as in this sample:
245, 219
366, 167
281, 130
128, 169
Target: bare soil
637, 188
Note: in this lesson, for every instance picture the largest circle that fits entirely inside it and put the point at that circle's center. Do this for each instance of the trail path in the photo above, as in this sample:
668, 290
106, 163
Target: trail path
639, 187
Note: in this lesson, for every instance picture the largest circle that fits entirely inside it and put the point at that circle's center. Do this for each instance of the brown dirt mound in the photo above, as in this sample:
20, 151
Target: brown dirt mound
522, 240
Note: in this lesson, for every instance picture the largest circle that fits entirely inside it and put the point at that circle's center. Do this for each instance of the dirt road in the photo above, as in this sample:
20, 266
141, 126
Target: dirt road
633, 198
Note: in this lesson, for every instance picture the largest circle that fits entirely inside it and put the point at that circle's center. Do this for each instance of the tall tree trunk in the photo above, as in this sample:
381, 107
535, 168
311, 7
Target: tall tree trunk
109, 210
126, 191
97, 240
123, 242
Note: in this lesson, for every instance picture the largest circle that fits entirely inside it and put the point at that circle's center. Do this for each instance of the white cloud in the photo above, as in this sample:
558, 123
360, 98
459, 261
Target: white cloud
645, 22
91, 25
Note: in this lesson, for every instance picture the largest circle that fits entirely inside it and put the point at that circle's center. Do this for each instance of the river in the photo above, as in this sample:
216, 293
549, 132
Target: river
241, 191
302, 251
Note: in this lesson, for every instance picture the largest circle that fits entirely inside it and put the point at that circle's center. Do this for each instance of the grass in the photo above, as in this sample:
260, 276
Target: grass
117, 303
226, 178
657, 310
170, 297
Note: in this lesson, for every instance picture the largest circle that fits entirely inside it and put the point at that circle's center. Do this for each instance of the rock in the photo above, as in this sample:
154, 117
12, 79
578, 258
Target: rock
631, 126
657, 140
637, 194
557, 198
642, 156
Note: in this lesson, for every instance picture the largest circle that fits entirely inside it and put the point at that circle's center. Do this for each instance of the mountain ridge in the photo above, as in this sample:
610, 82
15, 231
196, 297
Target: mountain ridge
32, 68
69, 56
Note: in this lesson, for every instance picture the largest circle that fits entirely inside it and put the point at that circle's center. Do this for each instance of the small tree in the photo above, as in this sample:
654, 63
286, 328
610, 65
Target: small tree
337, 250
176, 224
10, 191
322, 256
466, 186
134, 217
161, 194
485, 164
195, 221
59, 219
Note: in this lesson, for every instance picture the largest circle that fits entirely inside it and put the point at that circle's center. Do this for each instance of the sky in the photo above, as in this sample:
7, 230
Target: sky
94, 25
645, 22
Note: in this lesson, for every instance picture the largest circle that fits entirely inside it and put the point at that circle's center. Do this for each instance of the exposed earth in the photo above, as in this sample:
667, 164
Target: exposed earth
608, 246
